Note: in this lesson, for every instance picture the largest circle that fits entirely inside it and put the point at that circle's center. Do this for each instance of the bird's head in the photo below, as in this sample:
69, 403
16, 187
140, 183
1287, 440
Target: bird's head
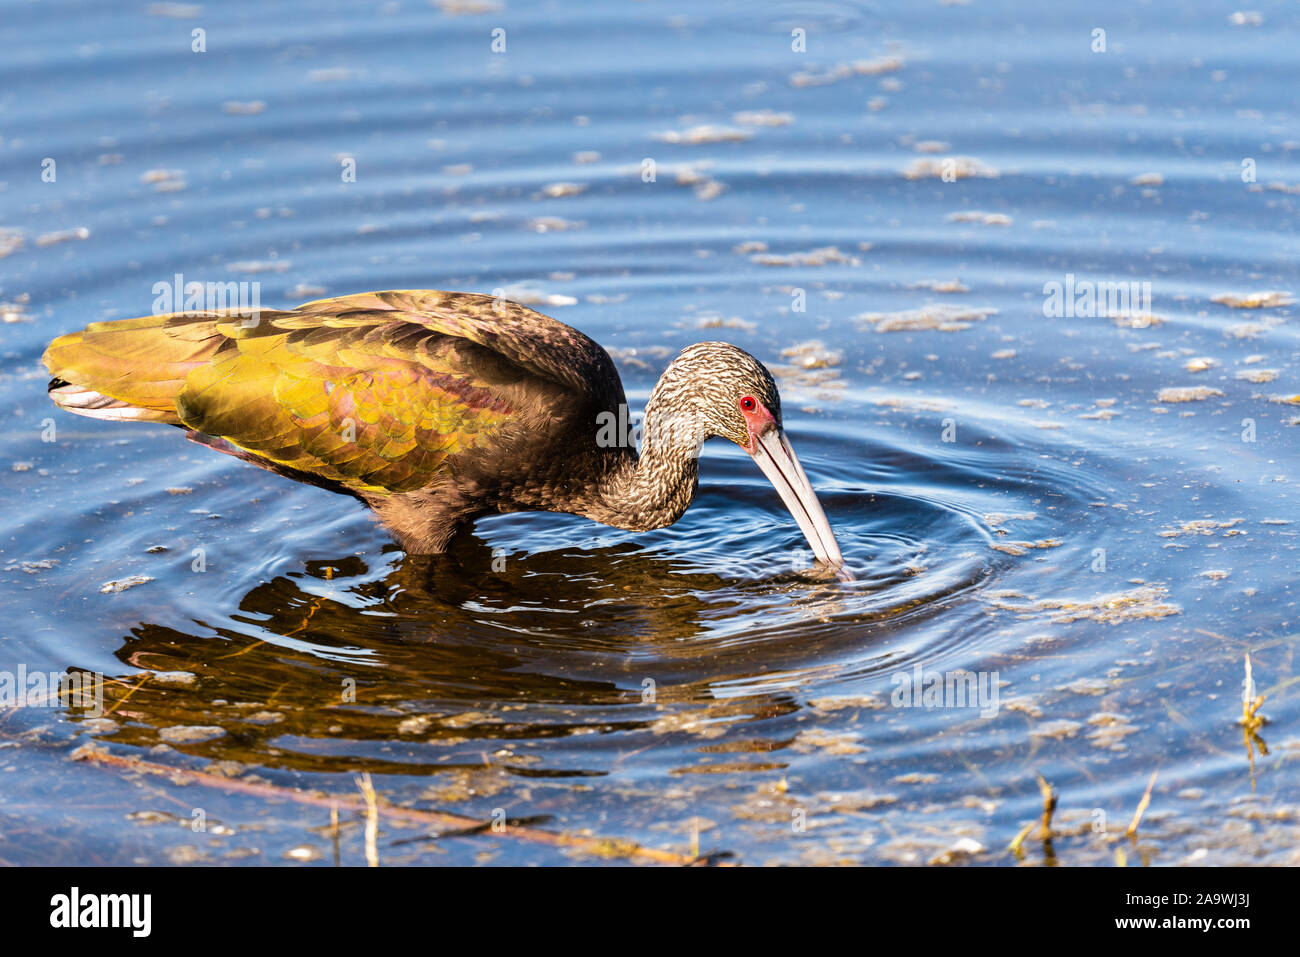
715, 388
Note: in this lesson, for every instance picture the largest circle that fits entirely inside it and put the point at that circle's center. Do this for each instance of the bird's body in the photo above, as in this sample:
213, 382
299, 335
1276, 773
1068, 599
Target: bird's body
434, 408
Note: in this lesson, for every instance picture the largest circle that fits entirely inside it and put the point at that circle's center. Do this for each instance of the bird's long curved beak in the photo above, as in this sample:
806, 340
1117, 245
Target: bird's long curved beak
772, 453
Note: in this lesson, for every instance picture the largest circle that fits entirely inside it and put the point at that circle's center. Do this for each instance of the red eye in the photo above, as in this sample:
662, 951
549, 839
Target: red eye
748, 403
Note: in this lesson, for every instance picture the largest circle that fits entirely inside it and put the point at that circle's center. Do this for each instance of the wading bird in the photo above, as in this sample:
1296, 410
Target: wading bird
435, 408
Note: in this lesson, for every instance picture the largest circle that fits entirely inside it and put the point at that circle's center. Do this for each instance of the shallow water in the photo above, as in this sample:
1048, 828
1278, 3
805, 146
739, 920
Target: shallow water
1015, 494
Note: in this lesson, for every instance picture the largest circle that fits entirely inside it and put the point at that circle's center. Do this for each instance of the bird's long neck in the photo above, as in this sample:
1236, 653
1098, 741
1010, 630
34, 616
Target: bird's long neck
653, 489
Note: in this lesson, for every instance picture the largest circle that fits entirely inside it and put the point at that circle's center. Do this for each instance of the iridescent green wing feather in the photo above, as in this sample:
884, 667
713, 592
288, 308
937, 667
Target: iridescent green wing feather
364, 400
375, 391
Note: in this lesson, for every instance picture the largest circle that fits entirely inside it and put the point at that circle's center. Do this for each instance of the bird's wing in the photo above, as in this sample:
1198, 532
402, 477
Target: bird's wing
544, 346
375, 392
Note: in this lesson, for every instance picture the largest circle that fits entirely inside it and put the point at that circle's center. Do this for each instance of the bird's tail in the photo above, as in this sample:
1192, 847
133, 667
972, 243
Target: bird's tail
131, 370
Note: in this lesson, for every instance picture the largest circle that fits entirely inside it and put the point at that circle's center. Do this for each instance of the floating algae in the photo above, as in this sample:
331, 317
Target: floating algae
1254, 300
812, 370
698, 135
1145, 601
1187, 394
822, 256
945, 317
1022, 548
984, 219
938, 285
950, 168
1136, 320
1204, 526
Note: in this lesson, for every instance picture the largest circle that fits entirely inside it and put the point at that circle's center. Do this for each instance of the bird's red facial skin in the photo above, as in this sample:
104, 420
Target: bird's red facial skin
757, 420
